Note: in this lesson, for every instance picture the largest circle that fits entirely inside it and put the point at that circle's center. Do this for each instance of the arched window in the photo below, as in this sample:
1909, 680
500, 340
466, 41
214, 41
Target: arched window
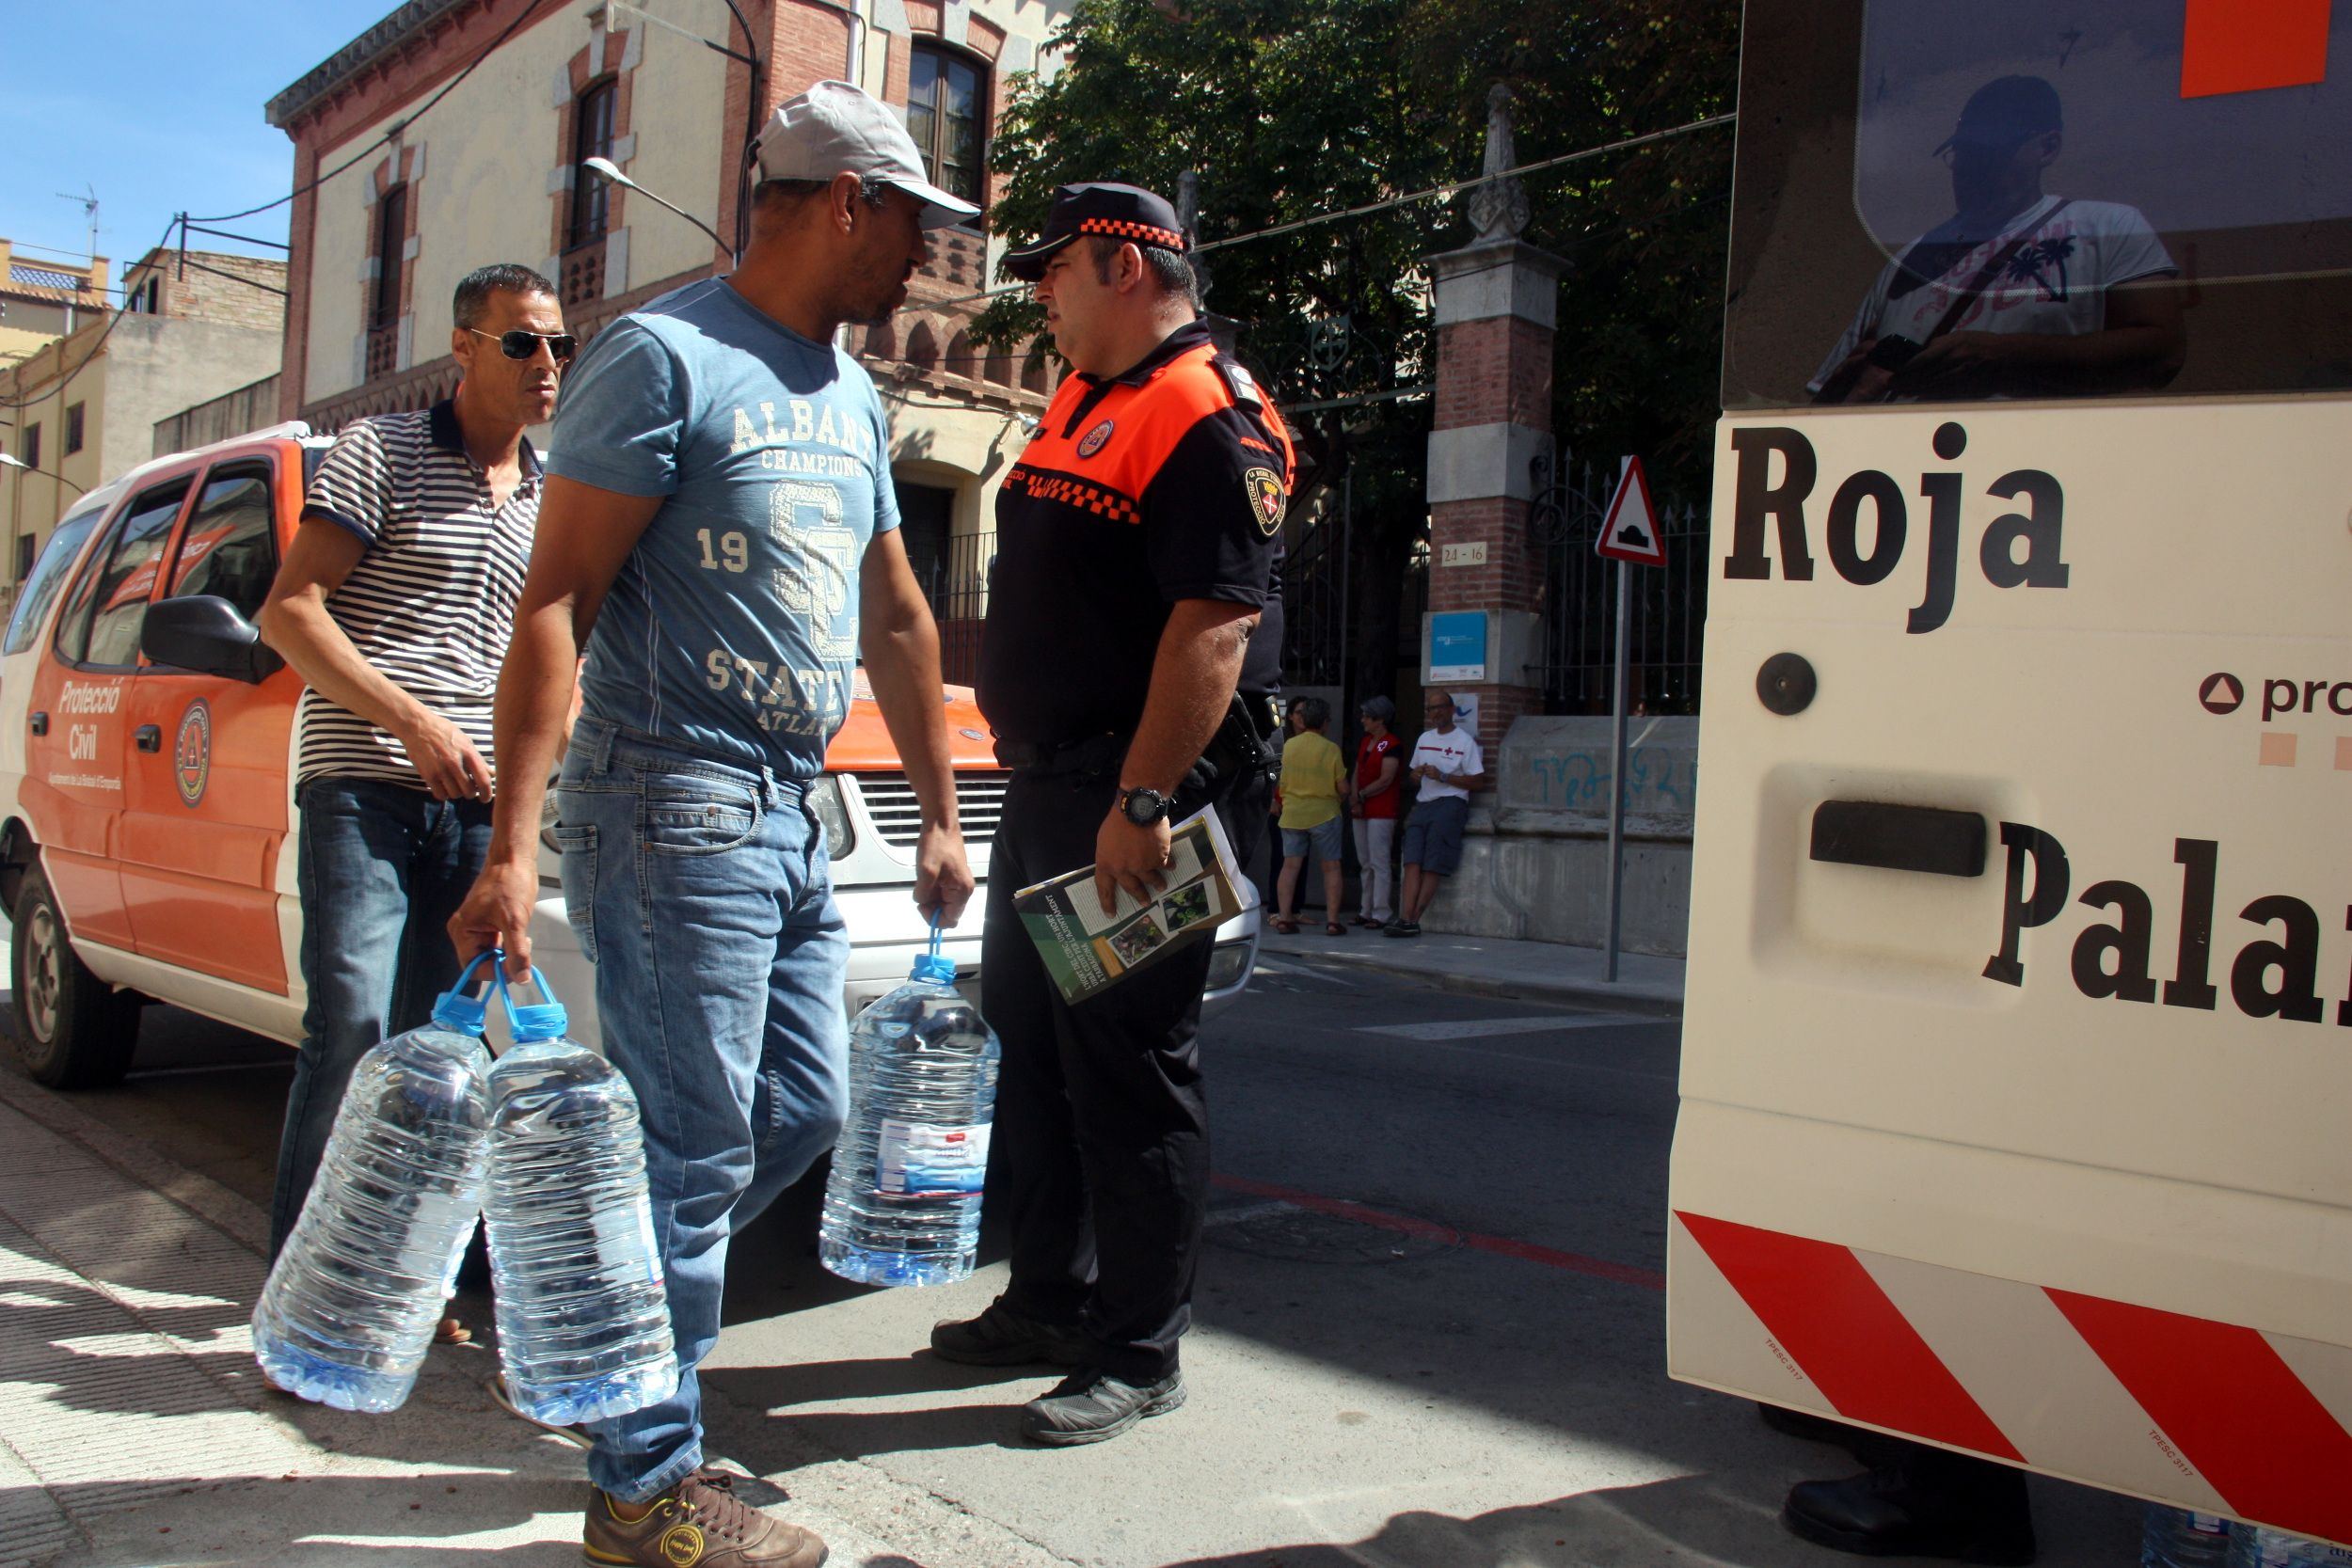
1000, 366
392, 255
592, 137
947, 116
922, 347
961, 359
1035, 375
882, 342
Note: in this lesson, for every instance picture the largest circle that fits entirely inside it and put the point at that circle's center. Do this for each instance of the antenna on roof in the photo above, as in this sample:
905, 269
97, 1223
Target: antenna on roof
89, 213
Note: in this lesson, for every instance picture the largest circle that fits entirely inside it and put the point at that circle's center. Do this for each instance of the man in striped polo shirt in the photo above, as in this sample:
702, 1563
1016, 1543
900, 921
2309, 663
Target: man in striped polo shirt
395, 604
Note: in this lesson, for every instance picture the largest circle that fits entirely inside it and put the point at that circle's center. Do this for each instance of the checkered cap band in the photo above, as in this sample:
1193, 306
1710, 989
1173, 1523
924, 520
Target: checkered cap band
1167, 239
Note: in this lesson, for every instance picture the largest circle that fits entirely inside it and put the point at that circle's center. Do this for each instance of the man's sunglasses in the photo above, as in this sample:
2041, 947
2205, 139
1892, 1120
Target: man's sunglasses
520, 344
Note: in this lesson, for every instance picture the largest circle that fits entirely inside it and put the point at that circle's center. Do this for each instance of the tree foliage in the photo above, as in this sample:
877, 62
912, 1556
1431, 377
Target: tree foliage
1292, 110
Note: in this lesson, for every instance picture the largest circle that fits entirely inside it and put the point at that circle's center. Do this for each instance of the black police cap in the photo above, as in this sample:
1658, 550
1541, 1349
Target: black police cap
1120, 211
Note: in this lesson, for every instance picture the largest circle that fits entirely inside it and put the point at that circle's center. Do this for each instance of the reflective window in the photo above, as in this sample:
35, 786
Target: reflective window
2120, 197
230, 547
946, 111
592, 137
102, 626
49, 577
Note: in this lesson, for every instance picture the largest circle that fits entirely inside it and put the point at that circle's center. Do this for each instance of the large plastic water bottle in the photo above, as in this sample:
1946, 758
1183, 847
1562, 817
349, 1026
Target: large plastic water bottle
903, 1206
2176, 1538
349, 1309
2260, 1546
584, 1319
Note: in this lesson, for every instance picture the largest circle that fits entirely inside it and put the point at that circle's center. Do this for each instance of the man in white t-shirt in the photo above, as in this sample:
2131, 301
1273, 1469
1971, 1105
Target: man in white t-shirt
1448, 765
2018, 293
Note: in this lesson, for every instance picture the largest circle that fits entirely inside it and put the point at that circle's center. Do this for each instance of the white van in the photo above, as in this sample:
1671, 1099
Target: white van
2017, 1061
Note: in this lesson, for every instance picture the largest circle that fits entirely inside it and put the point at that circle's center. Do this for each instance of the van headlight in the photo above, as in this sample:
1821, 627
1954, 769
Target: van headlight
825, 802
1228, 966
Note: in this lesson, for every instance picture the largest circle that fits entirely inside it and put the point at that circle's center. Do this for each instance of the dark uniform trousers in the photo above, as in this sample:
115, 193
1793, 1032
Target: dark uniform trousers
1100, 1157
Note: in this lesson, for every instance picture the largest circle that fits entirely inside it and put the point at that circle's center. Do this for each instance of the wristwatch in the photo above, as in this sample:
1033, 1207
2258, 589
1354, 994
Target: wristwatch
1143, 807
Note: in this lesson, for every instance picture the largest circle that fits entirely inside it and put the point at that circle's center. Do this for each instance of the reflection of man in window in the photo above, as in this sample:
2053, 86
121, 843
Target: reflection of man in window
2018, 293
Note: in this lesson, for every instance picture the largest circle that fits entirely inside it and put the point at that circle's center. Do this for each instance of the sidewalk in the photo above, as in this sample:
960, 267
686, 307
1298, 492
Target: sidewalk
1492, 966
135, 1430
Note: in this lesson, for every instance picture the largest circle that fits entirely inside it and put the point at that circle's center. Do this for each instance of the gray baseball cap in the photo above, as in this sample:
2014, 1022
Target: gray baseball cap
834, 128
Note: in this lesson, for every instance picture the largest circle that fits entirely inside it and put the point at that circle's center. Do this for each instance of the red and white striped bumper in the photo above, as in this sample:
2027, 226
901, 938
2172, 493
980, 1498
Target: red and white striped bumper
2207, 1416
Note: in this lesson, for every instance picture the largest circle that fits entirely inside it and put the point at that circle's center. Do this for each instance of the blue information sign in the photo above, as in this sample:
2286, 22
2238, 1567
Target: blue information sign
1458, 645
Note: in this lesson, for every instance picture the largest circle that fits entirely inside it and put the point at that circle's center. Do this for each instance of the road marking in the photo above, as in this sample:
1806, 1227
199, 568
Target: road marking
1527, 1252
1487, 1028
1246, 1213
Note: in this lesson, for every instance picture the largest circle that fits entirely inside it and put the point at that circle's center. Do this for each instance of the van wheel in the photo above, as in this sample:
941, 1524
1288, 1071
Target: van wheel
77, 1032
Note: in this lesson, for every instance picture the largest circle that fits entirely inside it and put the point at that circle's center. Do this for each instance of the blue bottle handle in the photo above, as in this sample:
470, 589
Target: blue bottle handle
462, 1014
534, 1021
933, 965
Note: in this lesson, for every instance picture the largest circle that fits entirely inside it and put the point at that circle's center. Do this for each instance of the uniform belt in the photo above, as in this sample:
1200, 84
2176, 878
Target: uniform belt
1091, 753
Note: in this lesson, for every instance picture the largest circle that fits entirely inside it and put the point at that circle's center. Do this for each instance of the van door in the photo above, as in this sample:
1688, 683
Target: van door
78, 732
205, 777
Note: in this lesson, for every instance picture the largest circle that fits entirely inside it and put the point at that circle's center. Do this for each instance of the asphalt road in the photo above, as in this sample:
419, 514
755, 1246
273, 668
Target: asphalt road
1430, 1325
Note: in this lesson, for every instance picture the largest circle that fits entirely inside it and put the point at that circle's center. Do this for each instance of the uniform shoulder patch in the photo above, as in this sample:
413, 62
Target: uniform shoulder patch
1239, 382
1267, 499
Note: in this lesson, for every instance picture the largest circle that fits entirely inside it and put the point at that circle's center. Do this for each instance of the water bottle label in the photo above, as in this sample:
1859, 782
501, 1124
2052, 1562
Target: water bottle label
917, 1159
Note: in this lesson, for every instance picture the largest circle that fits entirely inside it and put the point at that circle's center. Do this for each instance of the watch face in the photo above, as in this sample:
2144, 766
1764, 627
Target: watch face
1145, 807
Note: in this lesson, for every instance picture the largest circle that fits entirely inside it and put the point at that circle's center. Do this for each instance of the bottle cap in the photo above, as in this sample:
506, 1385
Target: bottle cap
935, 966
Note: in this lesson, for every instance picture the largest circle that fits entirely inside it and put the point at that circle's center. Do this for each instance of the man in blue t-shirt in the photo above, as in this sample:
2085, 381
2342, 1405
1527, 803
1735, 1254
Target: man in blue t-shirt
720, 530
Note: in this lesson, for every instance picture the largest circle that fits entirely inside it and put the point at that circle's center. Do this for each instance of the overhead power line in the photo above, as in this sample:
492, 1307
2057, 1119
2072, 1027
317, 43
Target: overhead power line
1451, 187
387, 137
56, 388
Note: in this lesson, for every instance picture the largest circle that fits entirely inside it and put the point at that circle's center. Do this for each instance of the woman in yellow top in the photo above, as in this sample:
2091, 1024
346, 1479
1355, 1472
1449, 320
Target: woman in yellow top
1313, 773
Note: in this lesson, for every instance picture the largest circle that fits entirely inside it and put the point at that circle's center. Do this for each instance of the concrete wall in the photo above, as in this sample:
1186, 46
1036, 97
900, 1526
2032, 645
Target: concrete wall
1535, 864
251, 407
156, 367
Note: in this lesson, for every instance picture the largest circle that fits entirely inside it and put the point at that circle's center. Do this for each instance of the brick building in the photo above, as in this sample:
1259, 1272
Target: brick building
81, 410
490, 172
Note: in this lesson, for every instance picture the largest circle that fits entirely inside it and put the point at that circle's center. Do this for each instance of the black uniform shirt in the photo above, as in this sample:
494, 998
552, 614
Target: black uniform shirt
1163, 483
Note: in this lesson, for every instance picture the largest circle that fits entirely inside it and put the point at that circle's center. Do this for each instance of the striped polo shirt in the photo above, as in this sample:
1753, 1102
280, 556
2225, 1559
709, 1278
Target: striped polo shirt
431, 604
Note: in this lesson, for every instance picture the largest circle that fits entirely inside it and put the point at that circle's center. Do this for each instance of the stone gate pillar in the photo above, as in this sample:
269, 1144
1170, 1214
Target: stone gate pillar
1497, 301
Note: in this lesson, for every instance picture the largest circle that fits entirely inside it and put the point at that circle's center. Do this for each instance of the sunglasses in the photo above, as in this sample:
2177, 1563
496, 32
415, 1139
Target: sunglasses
520, 344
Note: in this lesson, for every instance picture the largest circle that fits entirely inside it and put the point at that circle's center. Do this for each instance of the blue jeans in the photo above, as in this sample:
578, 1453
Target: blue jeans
381, 869
700, 889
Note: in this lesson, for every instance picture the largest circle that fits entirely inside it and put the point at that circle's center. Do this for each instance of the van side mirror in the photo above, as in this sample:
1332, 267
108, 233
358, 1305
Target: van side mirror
206, 634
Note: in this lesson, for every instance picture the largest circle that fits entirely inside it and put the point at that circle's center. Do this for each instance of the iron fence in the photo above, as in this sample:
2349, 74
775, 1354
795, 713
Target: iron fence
1579, 602
955, 580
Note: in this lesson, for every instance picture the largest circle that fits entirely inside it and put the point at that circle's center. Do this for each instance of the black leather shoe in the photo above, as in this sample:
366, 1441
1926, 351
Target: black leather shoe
1001, 1337
1088, 1406
1926, 1503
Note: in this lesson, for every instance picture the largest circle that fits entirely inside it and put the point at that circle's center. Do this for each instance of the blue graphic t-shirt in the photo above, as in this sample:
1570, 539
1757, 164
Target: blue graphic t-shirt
732, 628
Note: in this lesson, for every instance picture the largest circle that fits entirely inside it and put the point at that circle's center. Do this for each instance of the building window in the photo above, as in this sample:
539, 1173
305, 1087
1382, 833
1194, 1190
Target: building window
392, 246
947, 102
28, 446
26, 547
73, 427
392, 255
592, 137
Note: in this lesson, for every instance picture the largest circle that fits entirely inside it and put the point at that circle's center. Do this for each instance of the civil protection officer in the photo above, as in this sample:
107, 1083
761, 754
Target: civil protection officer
1131, 644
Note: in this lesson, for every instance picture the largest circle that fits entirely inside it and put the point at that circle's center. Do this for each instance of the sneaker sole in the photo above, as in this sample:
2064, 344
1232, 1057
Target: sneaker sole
1172, 1400
1865, 1546
605, 1559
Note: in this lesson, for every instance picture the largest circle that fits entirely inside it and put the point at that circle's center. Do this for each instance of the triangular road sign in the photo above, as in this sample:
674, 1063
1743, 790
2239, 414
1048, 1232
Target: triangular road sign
1631, 531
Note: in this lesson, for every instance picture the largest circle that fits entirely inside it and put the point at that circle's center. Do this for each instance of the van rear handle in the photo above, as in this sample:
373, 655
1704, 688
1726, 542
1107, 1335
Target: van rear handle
149, 737
1899, 838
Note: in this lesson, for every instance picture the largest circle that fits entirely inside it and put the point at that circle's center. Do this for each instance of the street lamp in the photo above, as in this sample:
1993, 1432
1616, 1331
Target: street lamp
610, 172
9, 460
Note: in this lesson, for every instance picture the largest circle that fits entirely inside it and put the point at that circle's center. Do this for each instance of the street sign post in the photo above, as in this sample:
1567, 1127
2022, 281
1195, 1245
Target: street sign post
1629, 537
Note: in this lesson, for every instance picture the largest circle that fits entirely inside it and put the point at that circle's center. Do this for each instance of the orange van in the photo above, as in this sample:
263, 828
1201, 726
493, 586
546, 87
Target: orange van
147, 781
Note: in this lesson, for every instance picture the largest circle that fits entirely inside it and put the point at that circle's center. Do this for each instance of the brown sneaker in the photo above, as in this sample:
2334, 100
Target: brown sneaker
699, 1523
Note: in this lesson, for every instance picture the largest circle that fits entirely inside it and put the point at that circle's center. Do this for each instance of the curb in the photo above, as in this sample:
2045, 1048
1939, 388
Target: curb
1573, 992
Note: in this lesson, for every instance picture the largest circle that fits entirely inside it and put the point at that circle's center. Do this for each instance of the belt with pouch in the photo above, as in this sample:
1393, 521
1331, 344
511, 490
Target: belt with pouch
1239, 747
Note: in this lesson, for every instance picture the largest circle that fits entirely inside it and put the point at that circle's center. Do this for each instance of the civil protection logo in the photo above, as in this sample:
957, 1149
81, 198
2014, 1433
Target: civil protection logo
192, 752
1266, 498
1091, 442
